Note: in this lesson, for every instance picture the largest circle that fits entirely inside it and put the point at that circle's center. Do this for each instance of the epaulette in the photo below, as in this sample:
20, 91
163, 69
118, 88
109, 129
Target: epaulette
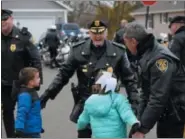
78, 43
119, 45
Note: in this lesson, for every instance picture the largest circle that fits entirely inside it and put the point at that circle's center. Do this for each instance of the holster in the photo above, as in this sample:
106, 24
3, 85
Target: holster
78, 104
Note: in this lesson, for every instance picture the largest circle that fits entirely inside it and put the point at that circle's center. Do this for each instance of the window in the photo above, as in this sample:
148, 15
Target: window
71, 27
151, 21
164, 18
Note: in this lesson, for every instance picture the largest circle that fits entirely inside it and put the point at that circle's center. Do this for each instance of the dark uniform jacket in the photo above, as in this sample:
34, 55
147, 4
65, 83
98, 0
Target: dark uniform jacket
85, 63
177, 45
163, 83
52, 39
119, 39
119, 36
17, 52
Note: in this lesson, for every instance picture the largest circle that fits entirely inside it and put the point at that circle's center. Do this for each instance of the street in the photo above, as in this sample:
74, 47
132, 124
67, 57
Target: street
56, 114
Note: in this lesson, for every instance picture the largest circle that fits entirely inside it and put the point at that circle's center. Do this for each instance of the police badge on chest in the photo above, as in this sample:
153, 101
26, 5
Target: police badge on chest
12, 47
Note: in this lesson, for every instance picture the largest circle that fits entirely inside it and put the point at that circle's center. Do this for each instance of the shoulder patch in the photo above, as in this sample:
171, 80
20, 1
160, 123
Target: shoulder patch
79, 43
119, 45
162, 65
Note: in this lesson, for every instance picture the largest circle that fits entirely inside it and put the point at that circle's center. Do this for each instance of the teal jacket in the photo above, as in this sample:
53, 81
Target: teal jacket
108, 116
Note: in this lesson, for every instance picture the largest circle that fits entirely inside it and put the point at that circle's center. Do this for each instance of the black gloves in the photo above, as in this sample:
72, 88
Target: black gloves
19, 134
134, 129
43, 99
42, 131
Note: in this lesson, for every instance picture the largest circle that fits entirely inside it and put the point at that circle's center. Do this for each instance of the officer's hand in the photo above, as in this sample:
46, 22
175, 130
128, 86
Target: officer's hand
19, 134
134, 129
43, 100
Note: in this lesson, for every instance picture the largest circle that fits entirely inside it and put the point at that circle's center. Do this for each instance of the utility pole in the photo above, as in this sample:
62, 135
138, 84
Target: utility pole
184, 7
147, 16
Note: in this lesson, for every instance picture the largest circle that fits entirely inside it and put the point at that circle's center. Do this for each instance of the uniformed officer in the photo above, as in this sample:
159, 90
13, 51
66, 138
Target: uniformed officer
52, 41
88, 58
17, 52
118, 38
163, 84
119, 33
177, 28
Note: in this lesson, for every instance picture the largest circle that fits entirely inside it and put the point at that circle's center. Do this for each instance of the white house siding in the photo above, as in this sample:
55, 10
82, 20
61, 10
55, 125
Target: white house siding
158, 27
36, 15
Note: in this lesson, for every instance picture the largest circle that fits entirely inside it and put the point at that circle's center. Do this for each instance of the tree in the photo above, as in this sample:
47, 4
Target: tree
82, 13
113, 15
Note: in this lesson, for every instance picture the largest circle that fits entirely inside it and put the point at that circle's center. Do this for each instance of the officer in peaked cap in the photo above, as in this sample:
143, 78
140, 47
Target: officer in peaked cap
97, 26
177, 19
87, 58
5, 14
177, 28
17, 52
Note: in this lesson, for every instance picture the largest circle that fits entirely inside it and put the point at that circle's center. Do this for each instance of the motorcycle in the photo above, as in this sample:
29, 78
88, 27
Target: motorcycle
63, 53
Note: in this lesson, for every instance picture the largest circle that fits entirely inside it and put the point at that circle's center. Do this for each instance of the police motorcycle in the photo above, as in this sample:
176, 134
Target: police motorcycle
63, 53
72, 38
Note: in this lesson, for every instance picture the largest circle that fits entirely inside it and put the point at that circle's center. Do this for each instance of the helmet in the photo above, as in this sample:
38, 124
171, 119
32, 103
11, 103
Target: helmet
53, 27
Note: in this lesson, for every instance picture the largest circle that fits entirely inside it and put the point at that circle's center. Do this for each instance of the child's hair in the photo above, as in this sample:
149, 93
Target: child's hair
96, 89
27, 74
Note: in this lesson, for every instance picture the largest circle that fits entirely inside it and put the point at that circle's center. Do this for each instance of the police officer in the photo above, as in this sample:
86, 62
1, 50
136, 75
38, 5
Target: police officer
17, 52
163, 84
88, 58
52, 41
119, 34
119, 39
177, 28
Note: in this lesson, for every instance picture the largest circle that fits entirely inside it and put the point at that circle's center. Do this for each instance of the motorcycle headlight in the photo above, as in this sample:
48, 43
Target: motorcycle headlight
79, 35
72, 34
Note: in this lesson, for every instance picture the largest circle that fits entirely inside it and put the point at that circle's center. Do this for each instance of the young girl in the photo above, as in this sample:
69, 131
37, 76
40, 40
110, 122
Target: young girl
28, 122
107, 111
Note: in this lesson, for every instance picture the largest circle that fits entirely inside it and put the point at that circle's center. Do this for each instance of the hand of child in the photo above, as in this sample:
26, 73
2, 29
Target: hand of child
19, 134
42, 130
138, 135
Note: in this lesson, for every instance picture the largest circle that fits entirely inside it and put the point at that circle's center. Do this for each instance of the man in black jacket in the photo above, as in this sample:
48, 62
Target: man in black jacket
177, 46
119, 39
119, 34
52, 41
17, 52
87, 58
163, 84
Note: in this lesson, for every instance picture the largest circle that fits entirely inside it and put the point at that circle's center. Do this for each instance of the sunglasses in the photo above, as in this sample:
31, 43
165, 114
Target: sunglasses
4, 18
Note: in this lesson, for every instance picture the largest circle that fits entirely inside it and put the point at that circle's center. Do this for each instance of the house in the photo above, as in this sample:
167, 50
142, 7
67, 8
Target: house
159, 15
37, 15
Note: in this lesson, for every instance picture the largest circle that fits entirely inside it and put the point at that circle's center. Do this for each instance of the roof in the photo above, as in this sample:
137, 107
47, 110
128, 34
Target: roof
40, 6
162, 7
63, 5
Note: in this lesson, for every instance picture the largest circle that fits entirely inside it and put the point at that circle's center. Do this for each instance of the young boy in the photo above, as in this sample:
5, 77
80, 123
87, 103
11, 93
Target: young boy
107, 111
28, 123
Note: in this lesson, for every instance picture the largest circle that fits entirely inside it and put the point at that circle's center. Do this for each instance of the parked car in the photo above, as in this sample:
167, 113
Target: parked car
68, 29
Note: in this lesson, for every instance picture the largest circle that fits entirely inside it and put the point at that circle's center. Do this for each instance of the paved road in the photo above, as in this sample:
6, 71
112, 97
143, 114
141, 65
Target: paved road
56, 114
